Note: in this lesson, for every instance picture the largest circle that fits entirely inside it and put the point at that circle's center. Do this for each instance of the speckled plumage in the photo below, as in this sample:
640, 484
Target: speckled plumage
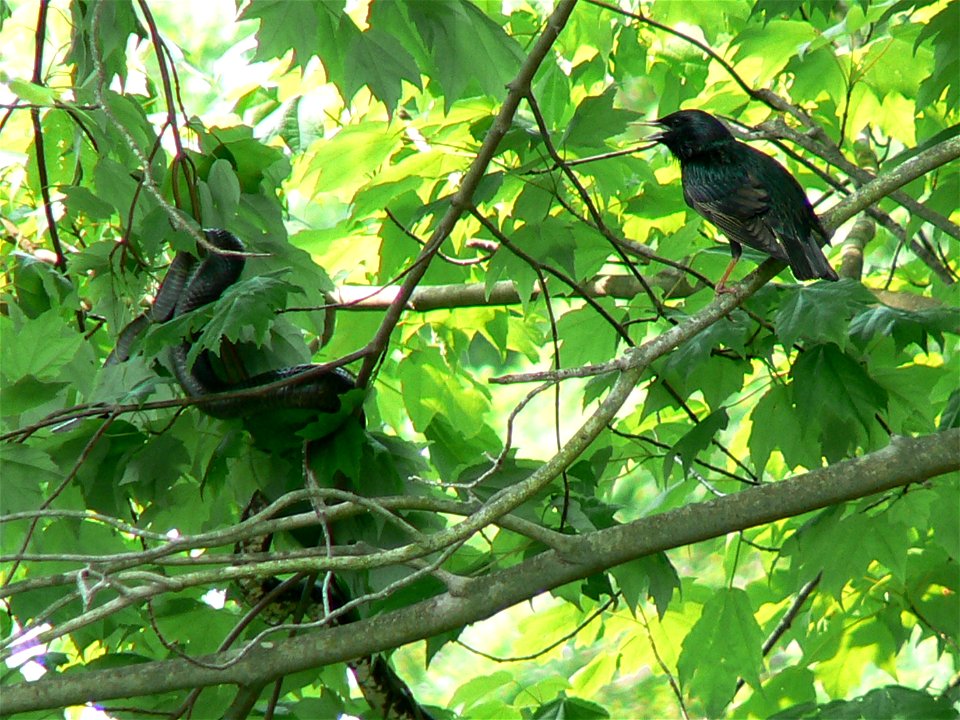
748, 195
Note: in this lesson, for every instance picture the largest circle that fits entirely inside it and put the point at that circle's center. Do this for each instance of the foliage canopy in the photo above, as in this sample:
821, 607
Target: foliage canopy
741, 506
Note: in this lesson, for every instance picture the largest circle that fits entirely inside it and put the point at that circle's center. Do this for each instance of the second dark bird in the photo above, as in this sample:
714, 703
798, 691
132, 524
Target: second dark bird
747, 194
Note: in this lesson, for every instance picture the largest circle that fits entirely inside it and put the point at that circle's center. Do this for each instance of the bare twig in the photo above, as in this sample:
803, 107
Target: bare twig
786, 621
663, 666
547, 648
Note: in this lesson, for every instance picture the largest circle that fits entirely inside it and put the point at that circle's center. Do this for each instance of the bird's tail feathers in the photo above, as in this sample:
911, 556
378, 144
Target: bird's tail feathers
808, 262
820, 230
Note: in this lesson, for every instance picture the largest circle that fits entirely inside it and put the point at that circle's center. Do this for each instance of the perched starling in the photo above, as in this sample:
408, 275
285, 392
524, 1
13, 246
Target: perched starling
747, 194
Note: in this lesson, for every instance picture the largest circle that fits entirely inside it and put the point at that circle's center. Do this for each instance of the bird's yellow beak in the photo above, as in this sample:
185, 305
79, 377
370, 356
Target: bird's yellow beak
655, 137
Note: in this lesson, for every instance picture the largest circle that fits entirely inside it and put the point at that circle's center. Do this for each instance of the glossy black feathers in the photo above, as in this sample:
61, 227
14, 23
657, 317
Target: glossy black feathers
748, 195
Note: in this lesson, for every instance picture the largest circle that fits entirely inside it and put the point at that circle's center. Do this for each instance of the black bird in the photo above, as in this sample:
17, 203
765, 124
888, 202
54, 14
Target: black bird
747, 194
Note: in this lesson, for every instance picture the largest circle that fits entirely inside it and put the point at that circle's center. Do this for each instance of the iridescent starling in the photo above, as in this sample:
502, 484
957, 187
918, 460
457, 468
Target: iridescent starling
747, 194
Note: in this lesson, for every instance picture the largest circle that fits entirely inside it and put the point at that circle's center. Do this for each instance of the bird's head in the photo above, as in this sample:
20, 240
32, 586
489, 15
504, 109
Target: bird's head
689, 132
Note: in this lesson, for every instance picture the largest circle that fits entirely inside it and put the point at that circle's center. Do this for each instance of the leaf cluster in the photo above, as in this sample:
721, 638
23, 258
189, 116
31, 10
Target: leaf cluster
354, 146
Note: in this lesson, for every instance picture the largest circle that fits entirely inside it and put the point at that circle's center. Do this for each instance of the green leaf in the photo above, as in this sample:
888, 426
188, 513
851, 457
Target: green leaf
664, 579
552, 90
832, 387
632, 580
114, 660
286, 26
435, 643
367, 146
81, 200
887, 542
114, 185
694, 442
596, 121
289, 125
912, 403
133, 117
160, 459
943, 29
570, 708
944, 521
117, 23
495, 710
836, 544
338, 450
253, 162
791, 685
38, 284
455, 445
774, 44
905, 326
42, 348
585, 339
818, 71
460, 40
775, 422
556, 245
894, 702
225, 192
720, 378
245, 312
28, 392
730, 333
480, 688
722, 646
372, 198
430, 389
820, 311
376, 58
950, 418
327, 705
32, 93
652, 576
26, 472
533, 205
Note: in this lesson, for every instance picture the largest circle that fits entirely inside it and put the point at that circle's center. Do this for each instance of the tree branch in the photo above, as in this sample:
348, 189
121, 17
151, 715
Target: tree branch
635, 363
904, 461
883, 185
462, 200
778, 128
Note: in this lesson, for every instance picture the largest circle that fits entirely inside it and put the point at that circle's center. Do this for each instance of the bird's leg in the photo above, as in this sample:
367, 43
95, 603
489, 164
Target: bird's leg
735, 249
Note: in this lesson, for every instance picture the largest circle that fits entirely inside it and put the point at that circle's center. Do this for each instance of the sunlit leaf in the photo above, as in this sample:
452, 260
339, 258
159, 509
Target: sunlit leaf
722, 646
570, 708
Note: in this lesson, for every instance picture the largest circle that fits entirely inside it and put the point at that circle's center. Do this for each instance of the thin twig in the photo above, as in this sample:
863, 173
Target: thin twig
786, 621
544, 650
663, 666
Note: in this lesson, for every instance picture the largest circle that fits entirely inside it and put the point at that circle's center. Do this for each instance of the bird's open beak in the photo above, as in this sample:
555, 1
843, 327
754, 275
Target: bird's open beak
656, 137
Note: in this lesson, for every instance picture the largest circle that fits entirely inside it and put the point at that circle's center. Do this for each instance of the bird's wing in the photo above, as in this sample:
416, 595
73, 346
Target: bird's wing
739, 207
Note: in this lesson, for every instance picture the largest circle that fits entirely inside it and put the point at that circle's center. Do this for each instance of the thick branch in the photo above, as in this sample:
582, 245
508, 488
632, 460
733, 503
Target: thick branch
445, 297
632, 367
948, 149
904, 461
885, 184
